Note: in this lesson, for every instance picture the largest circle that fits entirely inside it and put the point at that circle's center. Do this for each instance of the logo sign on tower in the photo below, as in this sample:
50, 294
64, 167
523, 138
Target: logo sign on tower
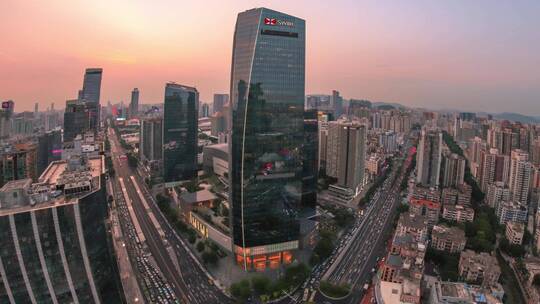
274, 21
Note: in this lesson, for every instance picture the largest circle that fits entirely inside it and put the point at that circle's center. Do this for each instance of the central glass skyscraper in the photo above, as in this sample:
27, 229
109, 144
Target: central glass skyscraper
267, 143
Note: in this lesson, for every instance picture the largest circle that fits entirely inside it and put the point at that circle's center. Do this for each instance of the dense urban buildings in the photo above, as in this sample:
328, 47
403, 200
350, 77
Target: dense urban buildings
266, 158
180, 121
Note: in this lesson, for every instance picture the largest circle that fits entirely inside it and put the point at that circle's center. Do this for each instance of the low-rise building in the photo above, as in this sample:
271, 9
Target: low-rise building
415, 224
515, 232
481, 268
460, 293
458, 213
449, 239
430, 194
429, 209
509, 211
460, 195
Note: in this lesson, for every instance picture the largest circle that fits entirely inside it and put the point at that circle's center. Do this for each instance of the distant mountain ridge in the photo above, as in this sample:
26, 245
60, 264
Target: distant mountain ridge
500, 116
517, 117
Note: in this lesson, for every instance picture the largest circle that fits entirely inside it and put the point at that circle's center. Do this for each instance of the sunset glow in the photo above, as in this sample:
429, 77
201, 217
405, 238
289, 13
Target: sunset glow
480, 55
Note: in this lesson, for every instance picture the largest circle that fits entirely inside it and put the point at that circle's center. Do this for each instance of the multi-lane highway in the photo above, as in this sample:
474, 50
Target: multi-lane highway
358, 251
190, 283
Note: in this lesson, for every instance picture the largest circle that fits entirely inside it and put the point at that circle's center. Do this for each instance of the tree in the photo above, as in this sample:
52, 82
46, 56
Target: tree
536, 280
200, 246
336, 291
241, 290
512, 250
403, 208
324, 247
210, 258
314, 259
295, 275
261, 284
192, 238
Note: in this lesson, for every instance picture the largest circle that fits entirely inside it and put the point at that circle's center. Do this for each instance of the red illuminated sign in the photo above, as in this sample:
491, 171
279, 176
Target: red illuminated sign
270, 21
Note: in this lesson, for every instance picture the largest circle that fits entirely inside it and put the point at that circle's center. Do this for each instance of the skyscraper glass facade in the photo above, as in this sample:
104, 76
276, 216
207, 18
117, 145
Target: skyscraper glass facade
92, 85
57, 251
180, 123
90, 94
76, 120
266, 157
134, 104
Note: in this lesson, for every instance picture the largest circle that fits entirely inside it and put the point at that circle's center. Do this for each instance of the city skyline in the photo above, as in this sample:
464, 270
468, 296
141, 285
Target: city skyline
269, 191
478, 56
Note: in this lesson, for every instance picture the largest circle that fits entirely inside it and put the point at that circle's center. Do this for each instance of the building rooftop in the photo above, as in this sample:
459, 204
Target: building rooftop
63, 182
17, 184
412, 220
196, 197
452, 233
425, 203
175, 85
516, 226
453, 290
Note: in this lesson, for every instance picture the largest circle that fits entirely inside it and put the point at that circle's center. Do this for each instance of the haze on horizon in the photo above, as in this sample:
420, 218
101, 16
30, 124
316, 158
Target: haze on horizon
469, 55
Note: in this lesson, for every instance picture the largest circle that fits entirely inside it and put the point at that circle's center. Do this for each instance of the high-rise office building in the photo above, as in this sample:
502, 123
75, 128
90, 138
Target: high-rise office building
346, 153
337, 103
520, 176
267, 142
55, 240
453, 170
321, 103
49, 149
134, 104
92, 85
90, 95
180, 123
76, 119
205, 110
428, 158
23, 123
220, 100
151, 138
310, 151
6, 113
18, 161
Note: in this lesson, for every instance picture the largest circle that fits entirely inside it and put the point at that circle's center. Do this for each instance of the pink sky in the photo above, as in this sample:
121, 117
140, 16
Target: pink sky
452, 55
